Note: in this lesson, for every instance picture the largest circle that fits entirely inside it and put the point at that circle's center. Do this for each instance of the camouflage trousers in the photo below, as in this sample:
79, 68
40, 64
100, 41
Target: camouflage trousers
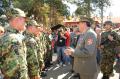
107, 65
33, 71
18, 75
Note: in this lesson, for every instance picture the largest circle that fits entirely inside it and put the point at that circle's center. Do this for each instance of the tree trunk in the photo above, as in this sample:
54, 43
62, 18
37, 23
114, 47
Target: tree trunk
101, 16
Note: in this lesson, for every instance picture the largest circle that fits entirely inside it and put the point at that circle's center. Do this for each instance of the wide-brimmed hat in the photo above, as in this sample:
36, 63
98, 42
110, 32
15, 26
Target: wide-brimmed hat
89, 21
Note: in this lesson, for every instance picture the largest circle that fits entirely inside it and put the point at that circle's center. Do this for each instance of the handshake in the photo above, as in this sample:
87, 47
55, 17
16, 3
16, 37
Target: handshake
69, 51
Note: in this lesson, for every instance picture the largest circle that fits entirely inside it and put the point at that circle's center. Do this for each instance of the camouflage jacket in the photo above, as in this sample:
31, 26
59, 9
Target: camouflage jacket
109, 46
32, 59
12, 54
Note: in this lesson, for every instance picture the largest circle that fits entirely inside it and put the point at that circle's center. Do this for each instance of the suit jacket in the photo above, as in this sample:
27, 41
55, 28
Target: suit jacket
86, 53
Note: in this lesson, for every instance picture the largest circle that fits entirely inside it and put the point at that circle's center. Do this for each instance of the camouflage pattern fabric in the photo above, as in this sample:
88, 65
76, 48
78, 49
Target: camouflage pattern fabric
40, 51
108, 52
32, 60
48, 57
13, 56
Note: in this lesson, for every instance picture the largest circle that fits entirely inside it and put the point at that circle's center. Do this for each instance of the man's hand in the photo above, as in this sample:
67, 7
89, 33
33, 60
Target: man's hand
42, 67
69, 51
110, 37
118, 54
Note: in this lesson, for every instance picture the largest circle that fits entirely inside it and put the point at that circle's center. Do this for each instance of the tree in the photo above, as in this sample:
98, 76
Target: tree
57, 10
101, 4
89, 6
80, 11
45, 11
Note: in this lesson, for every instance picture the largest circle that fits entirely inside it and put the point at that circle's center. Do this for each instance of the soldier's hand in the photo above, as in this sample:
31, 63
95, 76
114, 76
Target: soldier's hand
119, 55
101, 46
110, 37
43, 66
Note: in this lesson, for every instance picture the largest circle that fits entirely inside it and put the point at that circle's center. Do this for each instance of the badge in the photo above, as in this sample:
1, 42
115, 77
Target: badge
89, 41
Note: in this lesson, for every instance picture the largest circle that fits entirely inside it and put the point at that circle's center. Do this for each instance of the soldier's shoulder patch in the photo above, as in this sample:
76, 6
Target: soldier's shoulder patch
89, 41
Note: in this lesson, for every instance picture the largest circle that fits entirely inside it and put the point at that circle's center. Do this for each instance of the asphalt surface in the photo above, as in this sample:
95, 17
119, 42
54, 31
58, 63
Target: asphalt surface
63, 72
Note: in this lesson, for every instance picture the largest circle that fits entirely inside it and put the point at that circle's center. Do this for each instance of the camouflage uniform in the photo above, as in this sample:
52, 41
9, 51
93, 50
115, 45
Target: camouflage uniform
48, 56
32, 60
40, 51
39, 54
108, 52
13, 56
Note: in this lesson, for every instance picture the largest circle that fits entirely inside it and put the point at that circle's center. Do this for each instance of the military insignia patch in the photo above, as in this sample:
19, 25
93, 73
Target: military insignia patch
89, 41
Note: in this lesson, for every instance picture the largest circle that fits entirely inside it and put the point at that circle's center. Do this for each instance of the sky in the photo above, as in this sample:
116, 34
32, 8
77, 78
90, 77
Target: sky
113, 10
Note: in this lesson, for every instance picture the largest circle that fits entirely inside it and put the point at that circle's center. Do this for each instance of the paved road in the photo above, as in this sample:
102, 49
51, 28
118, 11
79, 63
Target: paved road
60, 72
63, 72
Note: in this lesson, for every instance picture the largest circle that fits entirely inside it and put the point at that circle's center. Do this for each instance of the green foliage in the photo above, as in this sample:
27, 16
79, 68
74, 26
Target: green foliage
86, 7
44, 10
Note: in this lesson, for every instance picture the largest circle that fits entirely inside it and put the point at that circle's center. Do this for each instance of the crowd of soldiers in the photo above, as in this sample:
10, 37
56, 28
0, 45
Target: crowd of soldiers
25, 49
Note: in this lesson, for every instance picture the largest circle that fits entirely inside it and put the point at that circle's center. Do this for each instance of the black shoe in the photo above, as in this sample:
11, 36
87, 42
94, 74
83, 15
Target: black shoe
72, 71
76, 75
43, 74
105, 77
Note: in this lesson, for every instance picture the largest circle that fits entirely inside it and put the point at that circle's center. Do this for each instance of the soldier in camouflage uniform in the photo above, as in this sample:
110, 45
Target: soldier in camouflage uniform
39, 40
109, 40
13, 53
42, 46
40, 51
48, 54
32, 57
1, 33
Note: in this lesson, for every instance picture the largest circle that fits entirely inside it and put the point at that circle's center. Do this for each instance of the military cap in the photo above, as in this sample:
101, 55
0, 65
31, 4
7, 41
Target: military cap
34, 23
3, 17
15, 12
88, 21
19, 12
108, 23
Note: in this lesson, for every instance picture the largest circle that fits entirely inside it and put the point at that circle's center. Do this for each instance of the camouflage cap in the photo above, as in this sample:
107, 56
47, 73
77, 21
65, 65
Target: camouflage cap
15, 12
34, 23
19, 12
108, 23
3, 17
